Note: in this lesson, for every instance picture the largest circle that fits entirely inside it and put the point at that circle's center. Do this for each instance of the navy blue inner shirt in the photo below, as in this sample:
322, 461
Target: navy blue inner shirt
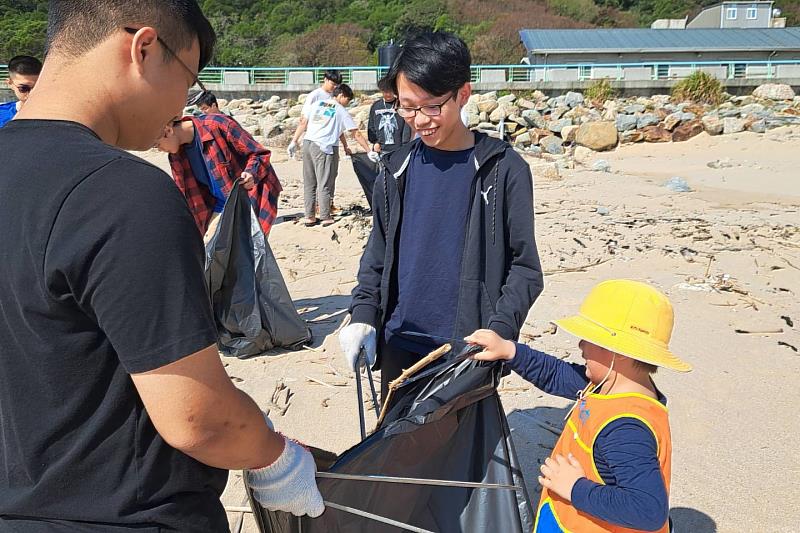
194, 151
435, 205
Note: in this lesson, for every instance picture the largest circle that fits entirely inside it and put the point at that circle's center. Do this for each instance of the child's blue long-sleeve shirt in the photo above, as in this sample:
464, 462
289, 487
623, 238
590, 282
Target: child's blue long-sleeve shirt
625, 452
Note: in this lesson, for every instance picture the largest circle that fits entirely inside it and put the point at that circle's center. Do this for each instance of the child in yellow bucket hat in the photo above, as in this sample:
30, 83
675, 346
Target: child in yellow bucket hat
610, 469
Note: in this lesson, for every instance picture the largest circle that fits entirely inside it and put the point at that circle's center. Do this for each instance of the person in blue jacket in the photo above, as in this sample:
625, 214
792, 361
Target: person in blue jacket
452, 247
23, 73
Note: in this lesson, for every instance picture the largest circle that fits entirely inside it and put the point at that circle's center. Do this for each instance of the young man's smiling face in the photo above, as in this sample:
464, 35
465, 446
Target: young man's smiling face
444, 131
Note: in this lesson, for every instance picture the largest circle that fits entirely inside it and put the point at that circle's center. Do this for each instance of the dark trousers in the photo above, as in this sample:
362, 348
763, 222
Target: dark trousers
393, 362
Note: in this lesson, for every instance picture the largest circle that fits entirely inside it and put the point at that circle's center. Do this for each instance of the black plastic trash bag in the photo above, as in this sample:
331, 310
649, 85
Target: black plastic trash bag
252, 306
366, 172
447, 424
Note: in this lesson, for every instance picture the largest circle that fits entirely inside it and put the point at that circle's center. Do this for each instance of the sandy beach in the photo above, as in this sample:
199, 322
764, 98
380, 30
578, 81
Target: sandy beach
727, 254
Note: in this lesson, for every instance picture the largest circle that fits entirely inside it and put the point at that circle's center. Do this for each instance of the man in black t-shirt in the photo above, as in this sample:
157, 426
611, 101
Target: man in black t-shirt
115, 410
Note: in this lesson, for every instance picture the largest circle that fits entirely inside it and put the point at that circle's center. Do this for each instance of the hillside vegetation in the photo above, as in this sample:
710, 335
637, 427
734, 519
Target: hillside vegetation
348, 32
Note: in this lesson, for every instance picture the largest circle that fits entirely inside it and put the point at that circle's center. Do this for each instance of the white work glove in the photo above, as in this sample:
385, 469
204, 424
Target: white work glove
292, 149
374, 156
355, 336
289, 484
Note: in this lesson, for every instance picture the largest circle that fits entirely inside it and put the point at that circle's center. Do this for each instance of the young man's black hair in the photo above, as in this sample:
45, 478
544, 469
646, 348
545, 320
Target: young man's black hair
208, 99
334, 75
343, 89
75, 26
25, 66
385, 85
439, 62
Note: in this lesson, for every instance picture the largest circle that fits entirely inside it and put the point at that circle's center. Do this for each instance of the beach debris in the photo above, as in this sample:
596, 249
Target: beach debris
281, 398
601, 165
787, 345
759, 332
721, 163
602, 211
788, 320
677, 184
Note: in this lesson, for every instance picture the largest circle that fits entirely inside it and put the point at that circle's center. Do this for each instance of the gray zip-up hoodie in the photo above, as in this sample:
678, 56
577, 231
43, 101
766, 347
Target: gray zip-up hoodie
501, 275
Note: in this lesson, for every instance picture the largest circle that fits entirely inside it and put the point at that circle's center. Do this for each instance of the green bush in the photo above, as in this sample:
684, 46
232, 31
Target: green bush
599, 91
699, 87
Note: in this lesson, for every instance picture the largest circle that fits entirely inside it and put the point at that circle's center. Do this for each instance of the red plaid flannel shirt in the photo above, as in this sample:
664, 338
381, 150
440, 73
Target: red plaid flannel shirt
228, 150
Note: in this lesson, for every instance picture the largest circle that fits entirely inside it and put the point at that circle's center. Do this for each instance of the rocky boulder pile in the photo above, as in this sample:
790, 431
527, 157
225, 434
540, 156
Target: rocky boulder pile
540, 125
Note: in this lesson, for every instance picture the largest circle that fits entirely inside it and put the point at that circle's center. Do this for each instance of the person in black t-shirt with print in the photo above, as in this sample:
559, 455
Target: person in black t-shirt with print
386, 130
115, 410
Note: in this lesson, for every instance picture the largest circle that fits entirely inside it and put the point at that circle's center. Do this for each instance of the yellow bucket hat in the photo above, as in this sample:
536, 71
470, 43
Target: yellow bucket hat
629, 318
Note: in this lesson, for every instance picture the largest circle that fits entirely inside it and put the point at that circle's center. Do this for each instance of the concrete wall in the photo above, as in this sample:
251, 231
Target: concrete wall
708, 18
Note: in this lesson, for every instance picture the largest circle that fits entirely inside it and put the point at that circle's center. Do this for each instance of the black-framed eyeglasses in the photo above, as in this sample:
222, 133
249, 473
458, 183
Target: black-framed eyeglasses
431, 110
192, 100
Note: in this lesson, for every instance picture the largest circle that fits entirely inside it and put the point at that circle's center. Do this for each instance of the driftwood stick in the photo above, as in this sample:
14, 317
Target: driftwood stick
416, 367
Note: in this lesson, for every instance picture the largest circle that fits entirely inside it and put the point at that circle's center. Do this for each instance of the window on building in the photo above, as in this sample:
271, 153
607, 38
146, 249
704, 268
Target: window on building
752, 13
731, 13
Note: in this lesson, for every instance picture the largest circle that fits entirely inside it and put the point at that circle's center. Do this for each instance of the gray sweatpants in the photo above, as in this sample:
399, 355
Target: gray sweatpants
319, 179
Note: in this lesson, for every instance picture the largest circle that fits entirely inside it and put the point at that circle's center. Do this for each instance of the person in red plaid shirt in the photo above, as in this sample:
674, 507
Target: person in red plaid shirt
208, 154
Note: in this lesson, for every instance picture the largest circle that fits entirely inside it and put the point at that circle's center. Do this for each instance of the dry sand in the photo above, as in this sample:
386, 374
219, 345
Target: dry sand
727, 254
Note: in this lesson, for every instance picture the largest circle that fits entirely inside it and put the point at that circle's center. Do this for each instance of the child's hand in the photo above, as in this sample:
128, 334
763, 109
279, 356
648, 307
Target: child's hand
495, 347
559, 474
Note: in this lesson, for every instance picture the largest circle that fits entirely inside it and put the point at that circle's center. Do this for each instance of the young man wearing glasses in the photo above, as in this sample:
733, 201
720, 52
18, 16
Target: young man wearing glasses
452, 248
117, 414
23, 73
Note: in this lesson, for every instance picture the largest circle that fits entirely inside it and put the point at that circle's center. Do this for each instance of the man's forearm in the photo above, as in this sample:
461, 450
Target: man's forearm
236, 437
361, 141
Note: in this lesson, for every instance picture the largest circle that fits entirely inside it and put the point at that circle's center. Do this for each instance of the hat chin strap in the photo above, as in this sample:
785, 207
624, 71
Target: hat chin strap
594, 388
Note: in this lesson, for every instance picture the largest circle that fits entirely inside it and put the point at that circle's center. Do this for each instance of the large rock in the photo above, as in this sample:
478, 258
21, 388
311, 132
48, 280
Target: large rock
647, 119
557, 125
758, 126
687, 130
282, 114
507, 99
487, 106
558, 112
631, 136
626, 122
635, 108
712, 124
552, 145
568, 133
774, 91
656, 134
573, 99
534, 118
525, 104
671, 121
296, 111
598, 136
473, 120
242, 112
523, 139
499, 114
733, 125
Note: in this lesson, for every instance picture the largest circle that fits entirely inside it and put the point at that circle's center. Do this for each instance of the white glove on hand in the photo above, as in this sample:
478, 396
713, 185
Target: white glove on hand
355, 336
292, 149
289, 483
374, 156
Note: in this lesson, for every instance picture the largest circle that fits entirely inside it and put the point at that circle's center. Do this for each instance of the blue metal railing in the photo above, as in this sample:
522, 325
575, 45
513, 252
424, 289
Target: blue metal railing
522, 73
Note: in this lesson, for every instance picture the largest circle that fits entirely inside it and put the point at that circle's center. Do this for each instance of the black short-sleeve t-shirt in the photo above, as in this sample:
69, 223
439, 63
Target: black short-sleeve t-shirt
102, 277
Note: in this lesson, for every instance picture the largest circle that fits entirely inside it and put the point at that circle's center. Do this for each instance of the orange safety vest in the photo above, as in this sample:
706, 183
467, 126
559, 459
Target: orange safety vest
587, 420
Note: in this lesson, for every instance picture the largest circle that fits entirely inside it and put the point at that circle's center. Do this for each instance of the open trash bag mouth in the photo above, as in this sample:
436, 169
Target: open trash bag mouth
442, 460
253, 310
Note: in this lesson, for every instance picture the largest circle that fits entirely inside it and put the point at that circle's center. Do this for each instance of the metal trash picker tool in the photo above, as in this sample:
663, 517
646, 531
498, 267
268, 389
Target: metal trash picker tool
362, 358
